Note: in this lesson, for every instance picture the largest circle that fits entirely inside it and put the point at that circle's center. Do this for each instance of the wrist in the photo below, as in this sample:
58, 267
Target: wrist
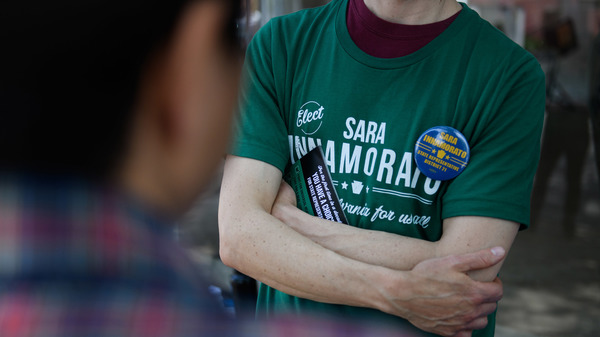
388, 290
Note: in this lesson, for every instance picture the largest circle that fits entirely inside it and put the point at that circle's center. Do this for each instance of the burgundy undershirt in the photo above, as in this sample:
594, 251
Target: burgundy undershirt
384, 39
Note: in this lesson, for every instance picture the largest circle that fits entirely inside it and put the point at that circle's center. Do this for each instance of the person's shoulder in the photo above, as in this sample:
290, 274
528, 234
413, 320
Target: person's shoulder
494, 49
301, 23
307, 15
493, 40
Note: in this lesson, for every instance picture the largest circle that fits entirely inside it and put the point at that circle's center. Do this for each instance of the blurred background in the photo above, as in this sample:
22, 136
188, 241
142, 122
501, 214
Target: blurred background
552, 275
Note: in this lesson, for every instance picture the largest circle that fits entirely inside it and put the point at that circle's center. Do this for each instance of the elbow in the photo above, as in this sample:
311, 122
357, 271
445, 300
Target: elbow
227, 258
227, 254
228, 242
226, 247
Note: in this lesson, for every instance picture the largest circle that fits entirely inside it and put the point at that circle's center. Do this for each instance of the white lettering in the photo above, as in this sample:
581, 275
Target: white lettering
300, 145
371, 128
370, 159
415, 178
420, 220
305, 116
347, 158
291, 141
380, 134
387, 160
349, 164
359, 134
354, 209
432, 189
349, 122
405, 169
382, 214
365, 132
330, 155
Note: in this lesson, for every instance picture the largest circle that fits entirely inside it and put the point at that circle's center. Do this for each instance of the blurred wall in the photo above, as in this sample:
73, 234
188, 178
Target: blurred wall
272, 8
573, 68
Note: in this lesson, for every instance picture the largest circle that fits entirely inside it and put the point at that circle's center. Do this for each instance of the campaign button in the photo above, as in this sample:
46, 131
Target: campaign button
442, 153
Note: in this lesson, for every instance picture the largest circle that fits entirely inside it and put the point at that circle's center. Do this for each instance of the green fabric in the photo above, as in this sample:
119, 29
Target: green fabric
309, 84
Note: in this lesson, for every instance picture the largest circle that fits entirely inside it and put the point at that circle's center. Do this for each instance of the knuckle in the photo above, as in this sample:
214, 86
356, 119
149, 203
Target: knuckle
471, 316
475, 299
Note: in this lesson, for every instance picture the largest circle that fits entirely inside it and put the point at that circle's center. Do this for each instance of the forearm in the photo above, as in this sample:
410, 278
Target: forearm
373, 247
259, 245
274, 254
435, 296
470, 233
461, 235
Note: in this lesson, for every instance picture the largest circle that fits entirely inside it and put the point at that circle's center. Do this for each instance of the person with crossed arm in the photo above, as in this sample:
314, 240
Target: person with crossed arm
374, 75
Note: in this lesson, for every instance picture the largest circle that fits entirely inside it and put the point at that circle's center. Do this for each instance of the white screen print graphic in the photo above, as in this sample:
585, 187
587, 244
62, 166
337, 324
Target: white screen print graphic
358, 154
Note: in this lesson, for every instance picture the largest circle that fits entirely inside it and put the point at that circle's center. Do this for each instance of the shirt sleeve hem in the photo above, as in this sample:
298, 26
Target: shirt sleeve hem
262, 153
488, 208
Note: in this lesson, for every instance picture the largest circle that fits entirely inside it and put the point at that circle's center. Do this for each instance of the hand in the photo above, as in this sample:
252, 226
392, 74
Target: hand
442, 299
286, 197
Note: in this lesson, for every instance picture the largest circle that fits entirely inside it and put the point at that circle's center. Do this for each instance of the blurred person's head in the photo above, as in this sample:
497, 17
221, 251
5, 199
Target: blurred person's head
137, 92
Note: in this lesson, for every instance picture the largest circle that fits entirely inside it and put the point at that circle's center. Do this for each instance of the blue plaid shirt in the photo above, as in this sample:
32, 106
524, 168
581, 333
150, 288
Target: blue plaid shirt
79, 260
86, 261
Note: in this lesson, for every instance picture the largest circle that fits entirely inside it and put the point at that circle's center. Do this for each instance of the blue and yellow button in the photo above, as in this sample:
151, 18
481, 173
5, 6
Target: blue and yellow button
442, 153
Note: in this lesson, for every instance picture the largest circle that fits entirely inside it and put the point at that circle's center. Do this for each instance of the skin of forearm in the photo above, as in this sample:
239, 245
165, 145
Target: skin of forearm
305, 269
460, 237
431, 296
398, 252
435, 296
372, 247
259, 245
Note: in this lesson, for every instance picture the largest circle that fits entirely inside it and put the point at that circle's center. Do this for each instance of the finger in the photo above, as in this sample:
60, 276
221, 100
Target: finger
487, 309
478, 324
464, 333
479, 260
487, 292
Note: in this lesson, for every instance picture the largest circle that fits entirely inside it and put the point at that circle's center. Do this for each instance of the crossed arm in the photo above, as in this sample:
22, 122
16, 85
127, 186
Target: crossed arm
461, 235
265, 236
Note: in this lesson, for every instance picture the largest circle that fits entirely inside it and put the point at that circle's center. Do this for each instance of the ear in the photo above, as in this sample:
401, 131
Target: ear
200, 89
189, 58
185, 111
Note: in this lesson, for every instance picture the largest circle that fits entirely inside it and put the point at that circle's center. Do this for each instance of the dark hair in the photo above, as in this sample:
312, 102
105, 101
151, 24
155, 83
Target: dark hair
69, 74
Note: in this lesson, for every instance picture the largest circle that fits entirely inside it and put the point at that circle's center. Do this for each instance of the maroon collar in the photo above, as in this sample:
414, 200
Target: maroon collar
385, 39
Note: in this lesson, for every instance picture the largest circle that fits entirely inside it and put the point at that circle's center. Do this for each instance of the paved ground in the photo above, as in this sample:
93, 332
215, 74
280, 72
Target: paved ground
551, 282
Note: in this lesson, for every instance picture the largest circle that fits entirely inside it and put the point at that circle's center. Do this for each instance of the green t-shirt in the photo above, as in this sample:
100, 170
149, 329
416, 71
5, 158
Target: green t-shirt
309, 84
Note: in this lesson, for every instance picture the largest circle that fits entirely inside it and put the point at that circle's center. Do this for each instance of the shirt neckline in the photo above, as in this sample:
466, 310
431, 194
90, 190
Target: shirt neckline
464, 16
396, 31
